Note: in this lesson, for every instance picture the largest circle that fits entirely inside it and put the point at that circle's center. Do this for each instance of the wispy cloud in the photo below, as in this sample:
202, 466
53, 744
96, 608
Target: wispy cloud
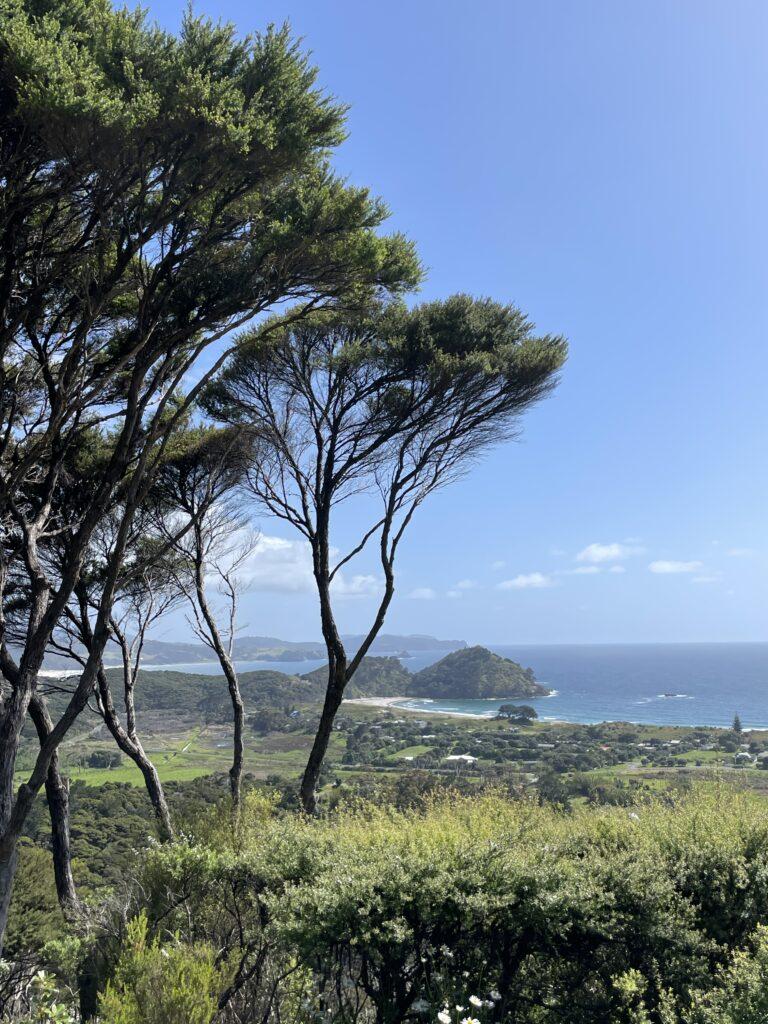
668, 567
740, 552
618, 568
710, 578
423, 594
583, 570
498, 564
525, 581
613, 552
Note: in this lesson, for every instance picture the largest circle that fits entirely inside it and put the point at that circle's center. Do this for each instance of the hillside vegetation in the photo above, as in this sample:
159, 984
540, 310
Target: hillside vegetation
625, 915
476, 673
376, 677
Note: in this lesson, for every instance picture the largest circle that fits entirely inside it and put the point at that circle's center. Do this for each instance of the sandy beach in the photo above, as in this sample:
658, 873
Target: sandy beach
389, 702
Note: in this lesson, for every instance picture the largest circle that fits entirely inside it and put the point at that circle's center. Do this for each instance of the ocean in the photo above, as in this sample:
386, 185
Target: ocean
654, 684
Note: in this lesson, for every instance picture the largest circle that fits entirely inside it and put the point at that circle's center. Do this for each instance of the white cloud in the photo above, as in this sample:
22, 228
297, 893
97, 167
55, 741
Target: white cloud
583, 570
359, 585
466, 585
284, 566
617, 568
454, 594
280, 565
740, 552
524, 581
714, 578
665, 567
423, 594
498, 564
614, 552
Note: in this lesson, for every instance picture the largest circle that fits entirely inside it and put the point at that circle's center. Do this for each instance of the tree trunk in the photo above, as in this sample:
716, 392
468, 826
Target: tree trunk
11, 720
228, 668
334, 695
131, 746
57, 795
156, 795
8, 861
238, 747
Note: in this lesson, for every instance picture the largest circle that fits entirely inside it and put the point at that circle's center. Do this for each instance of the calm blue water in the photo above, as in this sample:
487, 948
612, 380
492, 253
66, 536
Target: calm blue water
627, 682
616, 682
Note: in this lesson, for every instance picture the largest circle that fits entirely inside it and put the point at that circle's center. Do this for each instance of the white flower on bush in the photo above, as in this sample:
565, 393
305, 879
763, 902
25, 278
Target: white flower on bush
444, 1017
476, 1001
470, 1020
494, 994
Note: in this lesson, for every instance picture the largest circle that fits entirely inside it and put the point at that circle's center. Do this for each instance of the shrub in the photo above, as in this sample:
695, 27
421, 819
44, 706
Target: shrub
384, 915
161, 984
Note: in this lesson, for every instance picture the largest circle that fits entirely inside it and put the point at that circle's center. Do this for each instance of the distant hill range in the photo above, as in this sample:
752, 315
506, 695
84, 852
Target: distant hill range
269, 648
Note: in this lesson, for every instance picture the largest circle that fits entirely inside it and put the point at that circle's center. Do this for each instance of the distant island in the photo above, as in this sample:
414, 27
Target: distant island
269, 648
475, 673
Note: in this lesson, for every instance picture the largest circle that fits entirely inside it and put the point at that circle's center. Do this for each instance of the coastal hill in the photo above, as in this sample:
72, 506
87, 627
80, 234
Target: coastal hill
475, 673
376, 677
465, 674
269, 648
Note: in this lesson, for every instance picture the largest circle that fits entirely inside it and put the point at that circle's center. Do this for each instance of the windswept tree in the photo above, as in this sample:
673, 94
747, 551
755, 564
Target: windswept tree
203, 525
156, 192
386, 401
143, 595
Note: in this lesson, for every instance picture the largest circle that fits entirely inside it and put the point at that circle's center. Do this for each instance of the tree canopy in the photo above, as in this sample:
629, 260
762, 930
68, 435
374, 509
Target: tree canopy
157, 192
385, 400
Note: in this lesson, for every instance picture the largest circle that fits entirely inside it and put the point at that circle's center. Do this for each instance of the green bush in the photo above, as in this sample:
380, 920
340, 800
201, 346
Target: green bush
610, 914
158, 983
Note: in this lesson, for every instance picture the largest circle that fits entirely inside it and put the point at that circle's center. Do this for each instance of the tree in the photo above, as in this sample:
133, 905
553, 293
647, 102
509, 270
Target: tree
737, 725
521, 713
143, 595
384, 401
156, 193
209, 538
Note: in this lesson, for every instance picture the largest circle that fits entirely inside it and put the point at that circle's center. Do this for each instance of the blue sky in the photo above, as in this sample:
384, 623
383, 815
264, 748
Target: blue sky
604, 166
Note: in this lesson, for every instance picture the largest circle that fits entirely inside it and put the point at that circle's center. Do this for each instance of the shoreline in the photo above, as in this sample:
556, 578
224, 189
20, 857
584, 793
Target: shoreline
394, 702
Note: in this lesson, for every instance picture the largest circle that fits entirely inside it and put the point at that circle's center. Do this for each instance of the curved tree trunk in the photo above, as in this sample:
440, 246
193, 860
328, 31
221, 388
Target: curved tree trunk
132, 747
340, 671
334, 695
338, 674
228, 668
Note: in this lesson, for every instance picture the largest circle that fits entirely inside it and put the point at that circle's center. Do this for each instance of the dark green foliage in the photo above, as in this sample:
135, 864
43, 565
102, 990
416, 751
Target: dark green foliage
475, 673
520, 714
569, 919
160, 690
375, 677
36, 917
104, 759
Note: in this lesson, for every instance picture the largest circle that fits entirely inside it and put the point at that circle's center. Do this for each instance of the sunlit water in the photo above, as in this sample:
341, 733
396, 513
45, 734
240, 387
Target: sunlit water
664, 684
